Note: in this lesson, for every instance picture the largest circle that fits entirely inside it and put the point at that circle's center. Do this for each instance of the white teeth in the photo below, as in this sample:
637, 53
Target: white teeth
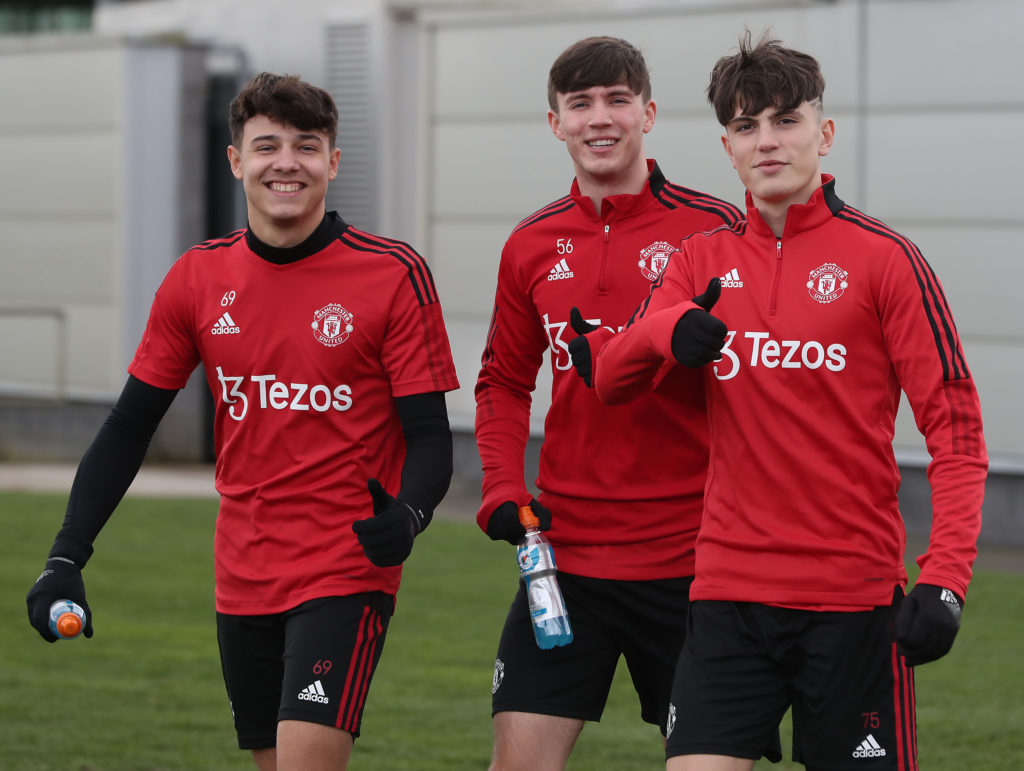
292, 187
601, 143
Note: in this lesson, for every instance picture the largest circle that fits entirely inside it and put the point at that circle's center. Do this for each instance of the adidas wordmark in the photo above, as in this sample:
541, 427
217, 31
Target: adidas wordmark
869, 748
731, 279
314, 692
561, 270
225, 326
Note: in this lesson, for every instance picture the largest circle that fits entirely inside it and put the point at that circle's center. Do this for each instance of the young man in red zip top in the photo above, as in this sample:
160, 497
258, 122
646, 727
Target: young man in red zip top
326, 353
822, 315
620, 497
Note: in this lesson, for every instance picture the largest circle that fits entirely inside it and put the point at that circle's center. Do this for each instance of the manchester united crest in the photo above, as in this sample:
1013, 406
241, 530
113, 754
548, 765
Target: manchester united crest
332, 325
827, 283
654, 258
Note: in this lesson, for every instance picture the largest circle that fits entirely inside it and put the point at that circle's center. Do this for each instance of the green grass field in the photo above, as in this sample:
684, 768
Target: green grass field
146, 691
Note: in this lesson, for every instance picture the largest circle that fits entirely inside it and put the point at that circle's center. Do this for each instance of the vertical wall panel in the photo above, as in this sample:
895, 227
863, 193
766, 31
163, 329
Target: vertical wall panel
349, 79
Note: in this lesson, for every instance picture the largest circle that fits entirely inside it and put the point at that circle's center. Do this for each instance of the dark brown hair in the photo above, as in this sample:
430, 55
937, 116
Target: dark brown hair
284, 99
598, 61
761, 76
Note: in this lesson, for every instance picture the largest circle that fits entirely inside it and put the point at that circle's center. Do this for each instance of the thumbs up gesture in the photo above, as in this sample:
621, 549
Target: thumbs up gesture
387, 536
698, 337
579, 347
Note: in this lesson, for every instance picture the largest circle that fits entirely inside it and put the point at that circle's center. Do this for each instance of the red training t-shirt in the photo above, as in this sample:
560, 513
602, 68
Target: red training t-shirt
305, 350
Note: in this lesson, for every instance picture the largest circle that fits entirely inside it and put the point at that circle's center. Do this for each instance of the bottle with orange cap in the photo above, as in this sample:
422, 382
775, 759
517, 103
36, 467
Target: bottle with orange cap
67, 619
537, 566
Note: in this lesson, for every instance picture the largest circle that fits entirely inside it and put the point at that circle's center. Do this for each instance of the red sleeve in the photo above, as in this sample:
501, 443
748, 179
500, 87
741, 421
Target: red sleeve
167, 353
416, 352
635, 360
511, 360
639, 357
929, 363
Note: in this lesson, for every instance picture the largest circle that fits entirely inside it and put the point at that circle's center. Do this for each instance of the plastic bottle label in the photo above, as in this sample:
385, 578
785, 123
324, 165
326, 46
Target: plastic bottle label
545, 600
535, 559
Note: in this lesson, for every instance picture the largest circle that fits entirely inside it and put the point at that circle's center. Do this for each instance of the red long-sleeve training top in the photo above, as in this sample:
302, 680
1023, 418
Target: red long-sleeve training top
827, 325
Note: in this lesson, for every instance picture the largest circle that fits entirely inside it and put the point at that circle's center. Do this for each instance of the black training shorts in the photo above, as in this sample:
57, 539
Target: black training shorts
312, 663
645, 621
744, 664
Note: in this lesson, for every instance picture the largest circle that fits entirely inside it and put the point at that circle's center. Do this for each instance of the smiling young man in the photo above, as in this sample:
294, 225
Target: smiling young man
326, 353
826, 315
622, 523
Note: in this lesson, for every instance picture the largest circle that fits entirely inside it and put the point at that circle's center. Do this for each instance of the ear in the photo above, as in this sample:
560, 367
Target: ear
235, 160
332, 172
828, 135
556, 124
728, 149
650, 110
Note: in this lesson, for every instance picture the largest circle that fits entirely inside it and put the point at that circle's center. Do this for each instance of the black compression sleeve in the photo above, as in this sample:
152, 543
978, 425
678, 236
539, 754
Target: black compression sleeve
109, 465
428, 450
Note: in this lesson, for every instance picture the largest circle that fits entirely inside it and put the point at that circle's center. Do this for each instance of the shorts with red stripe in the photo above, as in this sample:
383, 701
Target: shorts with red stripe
744, 664
312, 663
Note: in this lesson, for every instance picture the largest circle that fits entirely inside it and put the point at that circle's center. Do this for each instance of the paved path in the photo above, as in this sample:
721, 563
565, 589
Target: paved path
152, 481
177, 481
461, 502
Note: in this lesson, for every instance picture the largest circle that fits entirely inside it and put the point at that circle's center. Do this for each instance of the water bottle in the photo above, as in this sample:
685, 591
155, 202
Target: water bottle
67, 619
537, 567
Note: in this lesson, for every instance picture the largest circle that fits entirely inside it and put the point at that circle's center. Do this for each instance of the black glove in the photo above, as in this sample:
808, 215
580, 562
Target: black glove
699, 337
61, 580
504, 523
927, 623
579, 347
387, 536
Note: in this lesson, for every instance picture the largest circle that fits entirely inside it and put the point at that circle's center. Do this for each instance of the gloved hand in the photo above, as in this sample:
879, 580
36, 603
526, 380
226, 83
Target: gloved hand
698, 337
927, 623
504, 523
387, 536
61, 580
579, 347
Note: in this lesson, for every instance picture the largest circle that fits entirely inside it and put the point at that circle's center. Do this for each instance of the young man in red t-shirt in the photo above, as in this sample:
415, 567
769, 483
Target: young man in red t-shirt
621, 494
822, 316
327, 357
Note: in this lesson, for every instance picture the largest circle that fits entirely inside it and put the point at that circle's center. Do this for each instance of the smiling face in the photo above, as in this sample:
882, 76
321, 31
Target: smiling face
603, 129
777, 154
284, 172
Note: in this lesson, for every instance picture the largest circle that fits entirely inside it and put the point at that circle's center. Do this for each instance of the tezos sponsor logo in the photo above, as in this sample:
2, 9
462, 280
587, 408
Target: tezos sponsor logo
654, 258
267, 392
827, 283
765, 351
332, 325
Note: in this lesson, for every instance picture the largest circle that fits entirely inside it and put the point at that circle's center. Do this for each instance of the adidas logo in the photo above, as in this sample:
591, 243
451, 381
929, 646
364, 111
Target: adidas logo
869, 748
561, 270
225, 326
731, 279
949, 598
315, 692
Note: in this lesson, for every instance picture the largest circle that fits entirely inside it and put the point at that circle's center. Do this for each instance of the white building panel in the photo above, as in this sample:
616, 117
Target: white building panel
950, 53
945, 164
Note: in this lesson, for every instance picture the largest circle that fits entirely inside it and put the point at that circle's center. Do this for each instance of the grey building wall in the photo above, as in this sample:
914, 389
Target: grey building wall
926, 95
921, 93
103, 149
